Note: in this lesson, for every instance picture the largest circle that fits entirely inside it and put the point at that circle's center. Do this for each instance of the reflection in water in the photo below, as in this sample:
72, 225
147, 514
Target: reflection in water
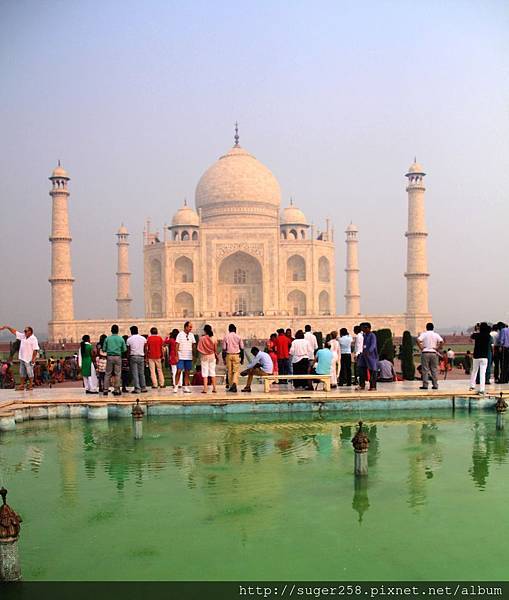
221, 457
489, 445
360, 502
425, 456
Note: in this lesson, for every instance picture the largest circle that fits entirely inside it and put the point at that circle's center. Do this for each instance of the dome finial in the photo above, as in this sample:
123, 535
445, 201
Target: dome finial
185, 201
415, 159
236, 137
291, 200
59, 163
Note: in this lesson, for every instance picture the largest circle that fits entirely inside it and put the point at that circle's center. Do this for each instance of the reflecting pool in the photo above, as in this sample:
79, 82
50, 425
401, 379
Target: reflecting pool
262, 497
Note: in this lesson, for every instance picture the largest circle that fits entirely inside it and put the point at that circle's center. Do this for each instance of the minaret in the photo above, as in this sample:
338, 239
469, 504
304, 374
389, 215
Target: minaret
417, 310
352, 290
123, 275
62, 304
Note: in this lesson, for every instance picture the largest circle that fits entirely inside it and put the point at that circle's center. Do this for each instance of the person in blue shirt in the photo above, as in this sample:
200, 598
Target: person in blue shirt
260, 365
323, 361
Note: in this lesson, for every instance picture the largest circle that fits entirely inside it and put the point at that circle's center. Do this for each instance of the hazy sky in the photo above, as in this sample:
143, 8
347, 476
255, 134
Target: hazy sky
138, 98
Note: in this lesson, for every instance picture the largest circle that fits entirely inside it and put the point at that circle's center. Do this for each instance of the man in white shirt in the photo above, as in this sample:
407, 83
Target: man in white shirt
358, 345
28, 350
185, 344
430, 344
312, 341
136, 349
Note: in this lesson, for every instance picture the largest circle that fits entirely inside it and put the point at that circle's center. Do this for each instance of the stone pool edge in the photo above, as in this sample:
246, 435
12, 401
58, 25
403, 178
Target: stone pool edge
18, 412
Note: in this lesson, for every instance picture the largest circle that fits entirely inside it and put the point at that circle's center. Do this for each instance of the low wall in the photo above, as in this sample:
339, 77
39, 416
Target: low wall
247, 327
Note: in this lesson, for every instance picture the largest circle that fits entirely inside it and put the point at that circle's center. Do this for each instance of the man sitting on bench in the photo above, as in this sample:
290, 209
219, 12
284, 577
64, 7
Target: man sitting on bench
260, 365
322, 362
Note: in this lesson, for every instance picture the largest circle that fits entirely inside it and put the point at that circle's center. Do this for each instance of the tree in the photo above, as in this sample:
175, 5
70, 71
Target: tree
385, 343
407, 357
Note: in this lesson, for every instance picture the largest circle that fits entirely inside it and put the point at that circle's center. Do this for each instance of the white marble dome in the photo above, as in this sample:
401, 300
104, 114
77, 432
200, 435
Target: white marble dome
185, 216
238, 184
292, 215
415, 167
59, 173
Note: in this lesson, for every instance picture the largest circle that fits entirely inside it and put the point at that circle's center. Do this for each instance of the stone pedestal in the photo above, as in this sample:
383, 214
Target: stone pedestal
10, 568
360, 443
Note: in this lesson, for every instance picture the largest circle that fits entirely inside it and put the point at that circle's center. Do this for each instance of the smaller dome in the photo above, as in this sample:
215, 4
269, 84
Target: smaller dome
123, 229
59, 172
185, 216
352, 228
293, 216
415, 167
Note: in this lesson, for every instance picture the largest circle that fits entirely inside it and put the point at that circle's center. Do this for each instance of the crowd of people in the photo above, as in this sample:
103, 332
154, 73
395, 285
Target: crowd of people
117, 362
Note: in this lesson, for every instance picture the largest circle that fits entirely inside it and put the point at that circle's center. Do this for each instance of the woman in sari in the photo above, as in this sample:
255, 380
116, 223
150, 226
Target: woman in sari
86, 362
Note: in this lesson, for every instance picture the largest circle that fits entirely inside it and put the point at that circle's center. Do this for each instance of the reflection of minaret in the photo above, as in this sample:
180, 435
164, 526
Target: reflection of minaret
62, 304
123, 275
352, 290
67, 449
417, 260
360, 501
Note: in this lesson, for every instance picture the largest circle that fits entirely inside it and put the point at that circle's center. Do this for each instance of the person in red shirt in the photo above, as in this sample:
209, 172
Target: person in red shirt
155, 357
282, 344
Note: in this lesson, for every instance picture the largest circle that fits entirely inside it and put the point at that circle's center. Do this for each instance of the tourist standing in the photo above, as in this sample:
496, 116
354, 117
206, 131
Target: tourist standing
288, 333
207, 347
185, 347
155, 357
495, 349
171, 343
313, 343
336, 353
233, 356
299, 352
137, 348
467, 362
368, 359
482, 341
125, 367
100, 362
283, 354
345, 345
28, 350
503, 342
271, 349
357, 349
260, 365
450, 358
430, 344
114, 346
86, 362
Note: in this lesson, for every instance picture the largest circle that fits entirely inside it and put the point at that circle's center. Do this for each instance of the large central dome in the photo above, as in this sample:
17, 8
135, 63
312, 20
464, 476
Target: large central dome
240, 188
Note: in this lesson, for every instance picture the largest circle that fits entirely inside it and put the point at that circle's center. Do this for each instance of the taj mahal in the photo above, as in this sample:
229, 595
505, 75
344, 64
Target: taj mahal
238, 255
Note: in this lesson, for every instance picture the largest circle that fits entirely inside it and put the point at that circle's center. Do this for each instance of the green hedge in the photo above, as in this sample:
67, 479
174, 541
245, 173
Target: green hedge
385, 343
407, 357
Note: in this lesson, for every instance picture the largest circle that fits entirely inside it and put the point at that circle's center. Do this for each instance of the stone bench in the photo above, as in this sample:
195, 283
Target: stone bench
268, 379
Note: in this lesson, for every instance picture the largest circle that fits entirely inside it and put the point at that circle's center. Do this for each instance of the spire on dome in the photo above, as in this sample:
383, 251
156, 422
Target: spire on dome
236, 136
185, 201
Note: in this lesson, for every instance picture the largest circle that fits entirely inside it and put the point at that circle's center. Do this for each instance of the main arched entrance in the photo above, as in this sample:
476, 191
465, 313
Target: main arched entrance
240, 285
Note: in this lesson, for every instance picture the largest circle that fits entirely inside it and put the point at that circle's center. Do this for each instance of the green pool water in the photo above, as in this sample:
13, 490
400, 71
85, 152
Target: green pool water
247, 498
